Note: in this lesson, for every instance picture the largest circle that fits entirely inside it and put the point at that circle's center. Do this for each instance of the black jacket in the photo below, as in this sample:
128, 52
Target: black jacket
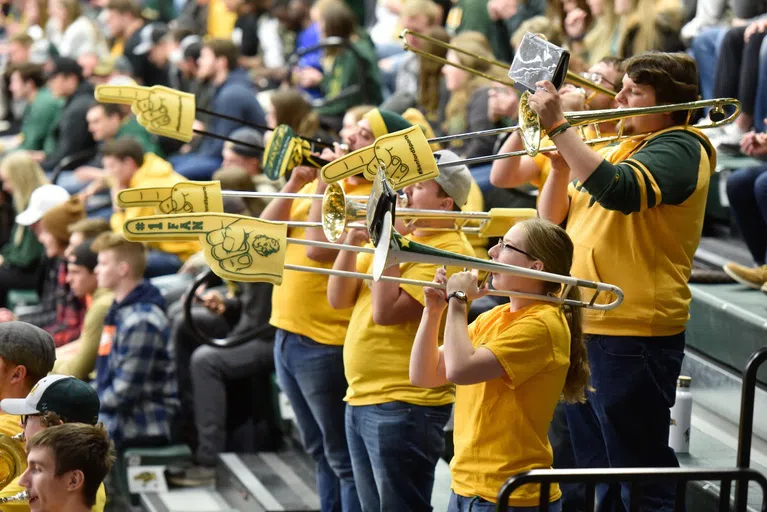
72, 133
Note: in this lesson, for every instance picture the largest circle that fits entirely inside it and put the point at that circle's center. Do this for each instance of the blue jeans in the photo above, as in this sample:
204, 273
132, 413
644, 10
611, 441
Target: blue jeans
760, 106
476, 504
395, 447
68, 181
705, 49
159, 263
747, 193
625, 422
195, 166
311, 375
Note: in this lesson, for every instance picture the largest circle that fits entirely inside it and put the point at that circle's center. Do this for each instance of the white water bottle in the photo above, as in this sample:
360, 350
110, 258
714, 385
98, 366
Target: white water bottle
681, 417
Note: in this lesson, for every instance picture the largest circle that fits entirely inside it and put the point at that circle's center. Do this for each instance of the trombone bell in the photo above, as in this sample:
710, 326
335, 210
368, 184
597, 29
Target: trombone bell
337, 212
13, 458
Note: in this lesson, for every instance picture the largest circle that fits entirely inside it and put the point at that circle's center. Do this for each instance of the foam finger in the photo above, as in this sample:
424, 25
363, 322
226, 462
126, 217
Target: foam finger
122, 94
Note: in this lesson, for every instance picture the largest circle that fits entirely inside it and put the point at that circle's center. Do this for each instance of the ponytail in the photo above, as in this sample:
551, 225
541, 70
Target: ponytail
579, 373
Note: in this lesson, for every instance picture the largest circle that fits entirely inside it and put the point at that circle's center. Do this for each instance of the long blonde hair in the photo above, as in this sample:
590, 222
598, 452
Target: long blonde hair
644, 23
476, 44
552, 246
598, 41
25, 176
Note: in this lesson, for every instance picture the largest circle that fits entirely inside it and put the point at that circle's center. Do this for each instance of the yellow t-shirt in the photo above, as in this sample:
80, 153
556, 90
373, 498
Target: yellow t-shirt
476, 203
10, 425
23, 506
300, 304
377, 357
501, 426
220, 20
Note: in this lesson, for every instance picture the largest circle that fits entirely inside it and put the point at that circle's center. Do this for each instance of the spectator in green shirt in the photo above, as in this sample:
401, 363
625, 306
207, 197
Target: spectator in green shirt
20, 256
42, 113
342, 67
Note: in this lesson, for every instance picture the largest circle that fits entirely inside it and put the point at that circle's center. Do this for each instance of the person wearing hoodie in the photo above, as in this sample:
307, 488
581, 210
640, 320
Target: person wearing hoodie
233, 96
72, 136
128, 166
135, 365
635, 214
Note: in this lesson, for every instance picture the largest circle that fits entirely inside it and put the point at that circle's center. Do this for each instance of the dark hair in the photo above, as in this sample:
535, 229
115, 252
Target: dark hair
110, 109
619, 65
125, 7
674, 76
224, 48
78, 447
90, 227
339, 19
125, 147
29, 72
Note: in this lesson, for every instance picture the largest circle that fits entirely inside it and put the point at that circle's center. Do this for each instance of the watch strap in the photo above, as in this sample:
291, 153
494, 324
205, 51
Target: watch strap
458, 295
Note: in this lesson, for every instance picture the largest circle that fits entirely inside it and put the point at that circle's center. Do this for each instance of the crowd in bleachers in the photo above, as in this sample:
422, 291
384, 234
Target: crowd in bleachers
117, 320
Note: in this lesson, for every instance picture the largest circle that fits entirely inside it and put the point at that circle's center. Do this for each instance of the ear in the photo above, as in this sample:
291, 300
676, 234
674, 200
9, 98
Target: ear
75, 481
537, 265
447, 203
124, 269
19, 373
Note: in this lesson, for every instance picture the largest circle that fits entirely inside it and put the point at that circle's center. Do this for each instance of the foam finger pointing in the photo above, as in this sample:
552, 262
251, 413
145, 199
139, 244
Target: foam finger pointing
122, 94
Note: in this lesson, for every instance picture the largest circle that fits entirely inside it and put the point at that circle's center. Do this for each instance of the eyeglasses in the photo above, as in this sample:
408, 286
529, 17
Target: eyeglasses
25, 418
597, 79
506, 245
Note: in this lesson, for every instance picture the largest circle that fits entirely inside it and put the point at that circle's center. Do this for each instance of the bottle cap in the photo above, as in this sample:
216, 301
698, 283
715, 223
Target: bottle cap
683, 381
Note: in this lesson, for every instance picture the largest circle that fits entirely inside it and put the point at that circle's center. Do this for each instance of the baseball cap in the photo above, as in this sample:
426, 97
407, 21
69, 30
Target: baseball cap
65, 65
43, 198
70, 398
455, 180
27, 345
84, 256
247, 136
149, 36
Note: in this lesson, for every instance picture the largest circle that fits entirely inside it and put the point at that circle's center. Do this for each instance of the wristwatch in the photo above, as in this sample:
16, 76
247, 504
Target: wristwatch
458, 295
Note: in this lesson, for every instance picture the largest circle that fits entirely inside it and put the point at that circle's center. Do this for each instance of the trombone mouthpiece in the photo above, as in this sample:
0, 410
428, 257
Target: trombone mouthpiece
21, 496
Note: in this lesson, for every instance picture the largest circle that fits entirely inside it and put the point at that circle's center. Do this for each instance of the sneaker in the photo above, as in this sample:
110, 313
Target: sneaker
730, 138
192, 476
753, 277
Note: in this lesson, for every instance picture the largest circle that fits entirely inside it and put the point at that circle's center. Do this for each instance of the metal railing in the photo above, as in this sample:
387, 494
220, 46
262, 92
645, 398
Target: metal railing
633, 476
746, 427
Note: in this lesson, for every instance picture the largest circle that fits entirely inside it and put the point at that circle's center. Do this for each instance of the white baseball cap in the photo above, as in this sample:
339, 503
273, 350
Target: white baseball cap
43, 198
70, 398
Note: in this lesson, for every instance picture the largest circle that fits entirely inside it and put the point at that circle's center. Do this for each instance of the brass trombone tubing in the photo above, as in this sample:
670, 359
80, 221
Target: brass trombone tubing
281, 195
416, 282
573, 78
587, 117
408, 213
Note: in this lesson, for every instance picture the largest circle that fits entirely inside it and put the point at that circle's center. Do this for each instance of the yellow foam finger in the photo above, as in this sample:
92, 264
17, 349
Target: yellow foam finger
122, 94
352, 164
142, 196
193, 197
236, 247
407, 157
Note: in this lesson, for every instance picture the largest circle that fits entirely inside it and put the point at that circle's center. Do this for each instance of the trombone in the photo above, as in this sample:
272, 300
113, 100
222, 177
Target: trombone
573, 78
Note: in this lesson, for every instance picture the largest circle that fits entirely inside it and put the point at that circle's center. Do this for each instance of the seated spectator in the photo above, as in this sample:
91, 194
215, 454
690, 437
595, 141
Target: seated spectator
337, 20
85, 229
43, 109
55, 400
128, 167
299, 20
253, 25
20, 256
79, 357
71, 133
65, 320
467, 108
67, 464
106, 121
233, 96
135, 366
246, 157
71, 32
124, 20
288, 106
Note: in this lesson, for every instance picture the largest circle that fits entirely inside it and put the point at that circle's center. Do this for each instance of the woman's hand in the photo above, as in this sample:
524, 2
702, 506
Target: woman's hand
547, 103
468, 283
575, 23
434, 298
756, 27
300, 176
357, 237
558, 163
214, 301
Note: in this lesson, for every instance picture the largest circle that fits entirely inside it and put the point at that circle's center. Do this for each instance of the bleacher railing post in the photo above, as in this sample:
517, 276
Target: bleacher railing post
746, 427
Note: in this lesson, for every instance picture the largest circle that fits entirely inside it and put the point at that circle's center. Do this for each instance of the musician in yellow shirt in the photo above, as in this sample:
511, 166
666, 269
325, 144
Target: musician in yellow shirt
516, 171
55, 400
395, 430
511, 366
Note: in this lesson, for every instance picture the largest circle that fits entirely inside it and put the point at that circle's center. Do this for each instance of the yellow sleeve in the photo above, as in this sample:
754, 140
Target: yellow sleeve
101, 499
524, 349
83, 361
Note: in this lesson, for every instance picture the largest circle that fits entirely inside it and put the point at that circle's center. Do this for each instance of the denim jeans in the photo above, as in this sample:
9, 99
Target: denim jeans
476, 504
194, 166
311, 375
159, 263
760, 107
625, 421
395, 447
705, 49
747, 193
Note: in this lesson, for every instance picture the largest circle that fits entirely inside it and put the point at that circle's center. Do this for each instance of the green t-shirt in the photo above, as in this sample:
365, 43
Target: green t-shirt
39, 121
